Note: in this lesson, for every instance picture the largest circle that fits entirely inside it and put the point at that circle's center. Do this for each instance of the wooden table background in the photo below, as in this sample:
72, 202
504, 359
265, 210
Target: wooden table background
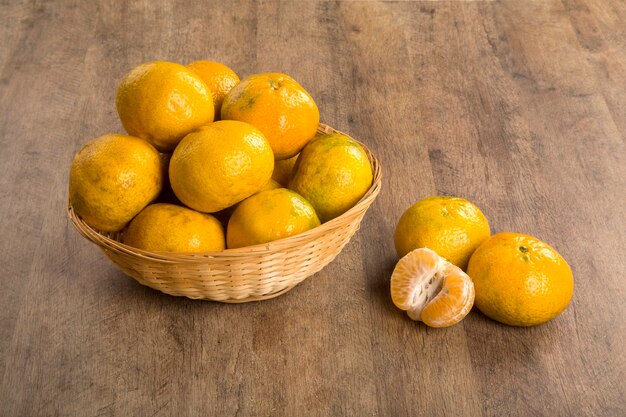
518, 106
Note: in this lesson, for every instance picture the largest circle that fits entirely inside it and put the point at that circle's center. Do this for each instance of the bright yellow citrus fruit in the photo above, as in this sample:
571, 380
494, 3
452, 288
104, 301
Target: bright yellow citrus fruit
279, 107
218, 77
283, 170
113, 178
268, 216
431, 289
162, 102
220, 164
451, 226
333, 173
520, 280
171, 228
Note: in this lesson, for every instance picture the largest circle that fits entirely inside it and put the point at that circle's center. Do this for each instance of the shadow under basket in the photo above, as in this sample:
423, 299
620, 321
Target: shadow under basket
240, 275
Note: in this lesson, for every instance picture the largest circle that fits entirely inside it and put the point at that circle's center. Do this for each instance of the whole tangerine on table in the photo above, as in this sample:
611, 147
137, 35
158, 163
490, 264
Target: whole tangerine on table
520, 280
451, 226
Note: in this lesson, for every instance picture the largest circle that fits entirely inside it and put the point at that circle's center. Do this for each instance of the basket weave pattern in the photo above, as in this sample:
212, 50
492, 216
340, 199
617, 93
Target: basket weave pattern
238, 275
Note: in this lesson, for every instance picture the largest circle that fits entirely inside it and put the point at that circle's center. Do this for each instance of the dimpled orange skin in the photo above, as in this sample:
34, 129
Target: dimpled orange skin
451, 226
268, 216
218, 77
278, 106
171, 228
333, 173
113, 178
520, 280
161, 102
219, 165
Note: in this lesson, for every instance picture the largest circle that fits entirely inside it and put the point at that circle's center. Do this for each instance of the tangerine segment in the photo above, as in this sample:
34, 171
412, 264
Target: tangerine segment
431, 289
453, 302
409, 280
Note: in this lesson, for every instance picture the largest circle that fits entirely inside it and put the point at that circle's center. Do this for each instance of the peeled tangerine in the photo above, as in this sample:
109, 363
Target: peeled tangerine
431, 289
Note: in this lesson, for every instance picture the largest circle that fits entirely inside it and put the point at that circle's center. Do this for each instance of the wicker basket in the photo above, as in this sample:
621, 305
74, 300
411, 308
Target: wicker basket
239, 275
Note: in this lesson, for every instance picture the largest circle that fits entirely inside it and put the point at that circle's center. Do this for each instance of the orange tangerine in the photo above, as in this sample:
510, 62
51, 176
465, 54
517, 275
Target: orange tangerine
520, 280
268, 216
161, 102
431, 289
218, 77
451, 226
279, 107
219, 165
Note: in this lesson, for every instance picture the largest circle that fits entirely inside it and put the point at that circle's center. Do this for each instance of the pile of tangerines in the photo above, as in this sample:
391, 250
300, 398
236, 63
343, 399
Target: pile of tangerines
211, 162
513, 278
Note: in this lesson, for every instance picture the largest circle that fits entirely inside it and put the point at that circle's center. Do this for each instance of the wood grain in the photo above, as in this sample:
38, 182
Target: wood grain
518, 106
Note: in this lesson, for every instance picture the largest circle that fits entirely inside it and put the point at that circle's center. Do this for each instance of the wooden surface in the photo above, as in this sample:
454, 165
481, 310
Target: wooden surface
518, 106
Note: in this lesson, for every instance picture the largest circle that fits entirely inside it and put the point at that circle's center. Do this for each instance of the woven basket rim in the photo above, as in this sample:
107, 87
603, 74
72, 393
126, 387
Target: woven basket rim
275, 246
